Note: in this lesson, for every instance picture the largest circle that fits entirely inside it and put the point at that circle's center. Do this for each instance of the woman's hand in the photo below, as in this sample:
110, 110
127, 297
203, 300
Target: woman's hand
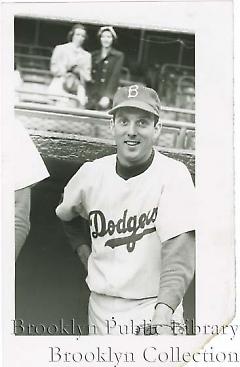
104, 102
75, 69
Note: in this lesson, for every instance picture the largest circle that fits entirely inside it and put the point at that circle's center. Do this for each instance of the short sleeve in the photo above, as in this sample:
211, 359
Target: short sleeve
29, 167
176, 214
74, 196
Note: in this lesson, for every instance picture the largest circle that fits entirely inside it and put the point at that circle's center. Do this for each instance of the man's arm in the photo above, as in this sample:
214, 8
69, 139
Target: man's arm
22, 221
177, 271
78, 235
29, 168
73, 214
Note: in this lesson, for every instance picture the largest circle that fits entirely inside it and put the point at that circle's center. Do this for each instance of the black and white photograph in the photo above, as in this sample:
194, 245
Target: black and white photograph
112, 112
121, 221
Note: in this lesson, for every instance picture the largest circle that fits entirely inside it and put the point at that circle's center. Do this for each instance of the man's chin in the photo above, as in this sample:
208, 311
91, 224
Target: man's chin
133, 159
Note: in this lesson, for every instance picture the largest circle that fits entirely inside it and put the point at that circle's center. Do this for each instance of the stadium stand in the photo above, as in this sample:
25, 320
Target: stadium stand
174, 83
30, 96
173, 78
190, 140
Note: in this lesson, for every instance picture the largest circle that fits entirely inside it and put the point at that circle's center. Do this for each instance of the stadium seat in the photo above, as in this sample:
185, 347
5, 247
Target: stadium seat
32, 61
171, 78
43, 97
168, 137
33, 75
190, 140
185, 97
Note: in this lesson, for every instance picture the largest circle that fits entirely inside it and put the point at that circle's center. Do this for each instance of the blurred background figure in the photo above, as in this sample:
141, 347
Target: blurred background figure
107, 63
29, 169
71, 66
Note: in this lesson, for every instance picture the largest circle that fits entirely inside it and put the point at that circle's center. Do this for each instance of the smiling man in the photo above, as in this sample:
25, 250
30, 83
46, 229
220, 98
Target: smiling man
140, 207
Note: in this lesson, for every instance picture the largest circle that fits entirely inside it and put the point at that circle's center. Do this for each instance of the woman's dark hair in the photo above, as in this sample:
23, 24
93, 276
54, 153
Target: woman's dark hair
109, 29
71, 33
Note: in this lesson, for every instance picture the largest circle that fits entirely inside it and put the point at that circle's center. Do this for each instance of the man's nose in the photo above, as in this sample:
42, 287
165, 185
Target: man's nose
132, 129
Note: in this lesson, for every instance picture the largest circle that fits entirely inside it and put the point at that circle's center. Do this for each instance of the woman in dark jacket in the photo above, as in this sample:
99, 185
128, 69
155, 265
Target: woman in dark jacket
107, 63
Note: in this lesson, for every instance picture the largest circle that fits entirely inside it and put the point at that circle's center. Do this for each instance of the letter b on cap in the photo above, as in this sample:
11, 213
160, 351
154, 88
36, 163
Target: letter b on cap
133, 91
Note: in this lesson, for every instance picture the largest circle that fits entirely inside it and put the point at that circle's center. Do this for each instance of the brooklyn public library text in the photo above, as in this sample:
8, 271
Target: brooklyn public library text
149, 354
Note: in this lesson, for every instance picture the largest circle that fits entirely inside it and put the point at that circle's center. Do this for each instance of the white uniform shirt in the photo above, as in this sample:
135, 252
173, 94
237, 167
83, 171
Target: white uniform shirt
29, 167
129, 220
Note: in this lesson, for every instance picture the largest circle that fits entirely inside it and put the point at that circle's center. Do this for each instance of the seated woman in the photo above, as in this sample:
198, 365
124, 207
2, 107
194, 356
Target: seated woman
71, 65
107, 63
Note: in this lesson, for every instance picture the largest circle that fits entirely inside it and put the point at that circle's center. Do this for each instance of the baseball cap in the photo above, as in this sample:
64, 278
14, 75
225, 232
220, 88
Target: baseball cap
137, 96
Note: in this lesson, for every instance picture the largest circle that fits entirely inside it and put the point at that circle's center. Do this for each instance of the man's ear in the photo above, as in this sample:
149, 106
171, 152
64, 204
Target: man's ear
158, 127
157, 132
112, 124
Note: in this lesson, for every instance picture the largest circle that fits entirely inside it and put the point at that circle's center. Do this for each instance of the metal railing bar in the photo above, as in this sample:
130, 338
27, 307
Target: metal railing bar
61, 111
178, 110
41, 110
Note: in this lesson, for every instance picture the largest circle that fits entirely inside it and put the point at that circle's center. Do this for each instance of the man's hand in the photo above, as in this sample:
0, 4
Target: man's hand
161, 322
84, 252
163, 316
150, 329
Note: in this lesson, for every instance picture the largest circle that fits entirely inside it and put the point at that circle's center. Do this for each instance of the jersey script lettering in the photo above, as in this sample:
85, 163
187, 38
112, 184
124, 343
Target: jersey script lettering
129, 225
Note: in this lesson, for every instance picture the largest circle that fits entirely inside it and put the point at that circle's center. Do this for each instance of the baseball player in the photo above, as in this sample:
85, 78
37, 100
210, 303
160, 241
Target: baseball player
140, 208
29, 169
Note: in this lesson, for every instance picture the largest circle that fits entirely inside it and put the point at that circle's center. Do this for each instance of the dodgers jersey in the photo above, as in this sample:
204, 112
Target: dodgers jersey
129, 221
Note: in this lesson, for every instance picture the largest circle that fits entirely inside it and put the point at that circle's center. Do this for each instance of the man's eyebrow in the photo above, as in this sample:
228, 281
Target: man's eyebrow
139, 117
121, 114
145, 116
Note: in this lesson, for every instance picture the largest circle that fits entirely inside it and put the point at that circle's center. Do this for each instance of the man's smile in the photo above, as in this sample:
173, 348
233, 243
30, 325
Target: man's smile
132, 143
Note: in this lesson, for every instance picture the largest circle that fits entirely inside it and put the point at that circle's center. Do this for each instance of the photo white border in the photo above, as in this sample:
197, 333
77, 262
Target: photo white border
212, 24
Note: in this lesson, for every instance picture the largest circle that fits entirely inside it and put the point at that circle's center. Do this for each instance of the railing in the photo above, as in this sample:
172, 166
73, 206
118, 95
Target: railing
32, 57
30, 48
34, 75
35, 71
171, 79
38, 61
29, 97
178, 110
100, 114
95, 124
177, 67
